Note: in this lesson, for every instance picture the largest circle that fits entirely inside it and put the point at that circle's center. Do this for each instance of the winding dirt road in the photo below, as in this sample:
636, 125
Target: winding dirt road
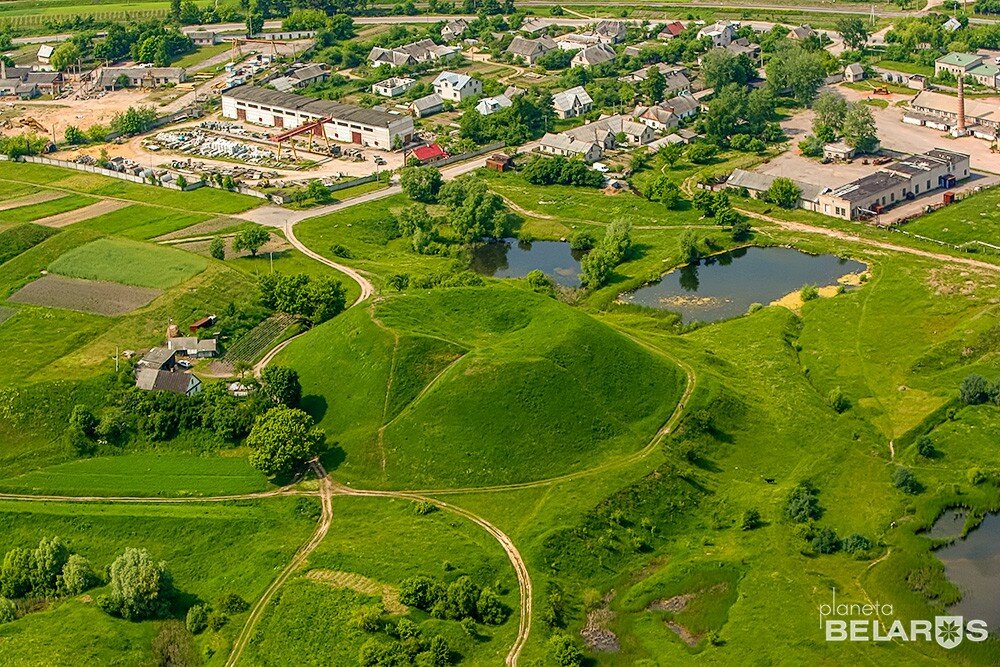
326, 518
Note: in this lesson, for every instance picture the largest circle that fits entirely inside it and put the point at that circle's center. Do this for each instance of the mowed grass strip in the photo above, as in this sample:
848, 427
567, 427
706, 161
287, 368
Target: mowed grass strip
130, 263
46, 209
20, 238
143, 474
86, 296
140, 222
206, 200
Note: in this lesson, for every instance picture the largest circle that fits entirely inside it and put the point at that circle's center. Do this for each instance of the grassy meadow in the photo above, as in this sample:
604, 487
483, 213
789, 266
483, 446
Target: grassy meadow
129, 263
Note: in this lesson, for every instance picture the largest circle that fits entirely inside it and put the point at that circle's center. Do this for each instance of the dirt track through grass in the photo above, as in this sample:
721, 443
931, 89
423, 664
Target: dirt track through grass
81, 214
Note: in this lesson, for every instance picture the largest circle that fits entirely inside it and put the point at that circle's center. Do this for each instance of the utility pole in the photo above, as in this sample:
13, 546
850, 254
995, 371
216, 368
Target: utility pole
116, 358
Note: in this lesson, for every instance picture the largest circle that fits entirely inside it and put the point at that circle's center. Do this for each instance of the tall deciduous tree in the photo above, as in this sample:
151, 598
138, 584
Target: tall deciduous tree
281, 439
141, 588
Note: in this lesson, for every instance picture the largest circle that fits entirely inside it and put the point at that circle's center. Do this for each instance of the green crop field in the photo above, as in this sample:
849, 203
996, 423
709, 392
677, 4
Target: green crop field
45, 209
968, 221
129, 262
204, 200
143, 222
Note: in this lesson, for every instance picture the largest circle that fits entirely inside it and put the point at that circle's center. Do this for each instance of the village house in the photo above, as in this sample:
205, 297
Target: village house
190, 346
301, 76
667, 115
575, 41
952, 24
593, 55
571, 103
422, 51
605, 131
533, 26
427, 105
742, 46
854, 72
610, 32
457, 87
341, 122
531, 49
757, 184
158, 358
675, 78
25, 83
671, 30
721, 33
490, 105
204, 37
561, 144
801, 32
393, 87
454, 29
44, 53
150, 379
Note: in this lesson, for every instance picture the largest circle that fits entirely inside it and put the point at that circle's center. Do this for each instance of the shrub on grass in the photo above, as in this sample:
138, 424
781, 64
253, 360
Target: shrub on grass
925, 446
856, 543
77, 575
803, 503
140, 587
217, 248
974, 390
905, 481
490, 609
217, 620
231, 603
564, 651
809, 293
8, 611
751, 519
15, 576
197, 619
582, 240
838, 401
825, 541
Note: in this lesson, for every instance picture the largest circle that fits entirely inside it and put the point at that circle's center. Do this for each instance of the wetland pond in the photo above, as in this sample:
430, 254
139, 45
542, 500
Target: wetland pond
723, 286
513, 258
972, 564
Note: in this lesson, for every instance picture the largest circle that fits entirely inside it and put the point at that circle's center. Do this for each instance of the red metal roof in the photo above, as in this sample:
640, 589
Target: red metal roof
432, 152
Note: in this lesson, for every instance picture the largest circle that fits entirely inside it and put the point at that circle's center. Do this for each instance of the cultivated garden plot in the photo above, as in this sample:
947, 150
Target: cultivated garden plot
87, 296
129, 262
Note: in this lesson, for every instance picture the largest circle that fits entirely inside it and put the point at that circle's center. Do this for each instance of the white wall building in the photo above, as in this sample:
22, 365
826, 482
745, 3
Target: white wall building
346, 122
457, 87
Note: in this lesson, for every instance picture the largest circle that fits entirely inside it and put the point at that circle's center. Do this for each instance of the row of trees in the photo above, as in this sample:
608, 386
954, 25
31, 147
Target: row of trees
717, 205
836, 118
460, 600
528, 117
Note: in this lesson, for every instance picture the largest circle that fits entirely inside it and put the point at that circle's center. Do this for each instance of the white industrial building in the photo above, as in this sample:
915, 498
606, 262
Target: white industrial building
345, 122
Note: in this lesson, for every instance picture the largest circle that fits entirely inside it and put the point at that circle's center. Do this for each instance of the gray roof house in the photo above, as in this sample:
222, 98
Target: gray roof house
427, 105
571, 103
531, 49
151, 379
593, 55
756, 184
610, 32
567, 146
158, 358
193, 347
454, 29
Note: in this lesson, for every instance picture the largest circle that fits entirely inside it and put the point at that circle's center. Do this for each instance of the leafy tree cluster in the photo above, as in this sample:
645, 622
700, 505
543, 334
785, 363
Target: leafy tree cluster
976, 390
314, 299
201, 617
564, 651
474, 212
251, 238
802, 504
141, 588
133, 120
598, 264
662, 189
155, 416
147, 42
421, 184
735, 111
721, 67
837, 118
19, 145
409, 647
797, 70
717, 205
526, 118
783, 192
559, 170
48, 570
459, 600
556, 59
904, 480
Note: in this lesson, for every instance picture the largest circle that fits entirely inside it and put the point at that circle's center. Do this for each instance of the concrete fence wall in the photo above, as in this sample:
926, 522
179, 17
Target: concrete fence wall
110, 173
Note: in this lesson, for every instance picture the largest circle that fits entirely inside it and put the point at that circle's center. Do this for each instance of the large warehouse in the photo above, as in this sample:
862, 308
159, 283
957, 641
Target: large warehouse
347, 123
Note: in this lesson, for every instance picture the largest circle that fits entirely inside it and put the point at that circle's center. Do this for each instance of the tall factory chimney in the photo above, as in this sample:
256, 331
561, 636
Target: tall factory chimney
961, 130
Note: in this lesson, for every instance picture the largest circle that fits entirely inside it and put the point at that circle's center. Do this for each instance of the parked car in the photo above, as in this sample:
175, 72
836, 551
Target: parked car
183, 363
601, 167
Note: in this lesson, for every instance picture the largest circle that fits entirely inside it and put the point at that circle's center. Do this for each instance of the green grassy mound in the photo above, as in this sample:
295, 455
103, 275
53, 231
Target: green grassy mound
17, 239
479, 386
129, 262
